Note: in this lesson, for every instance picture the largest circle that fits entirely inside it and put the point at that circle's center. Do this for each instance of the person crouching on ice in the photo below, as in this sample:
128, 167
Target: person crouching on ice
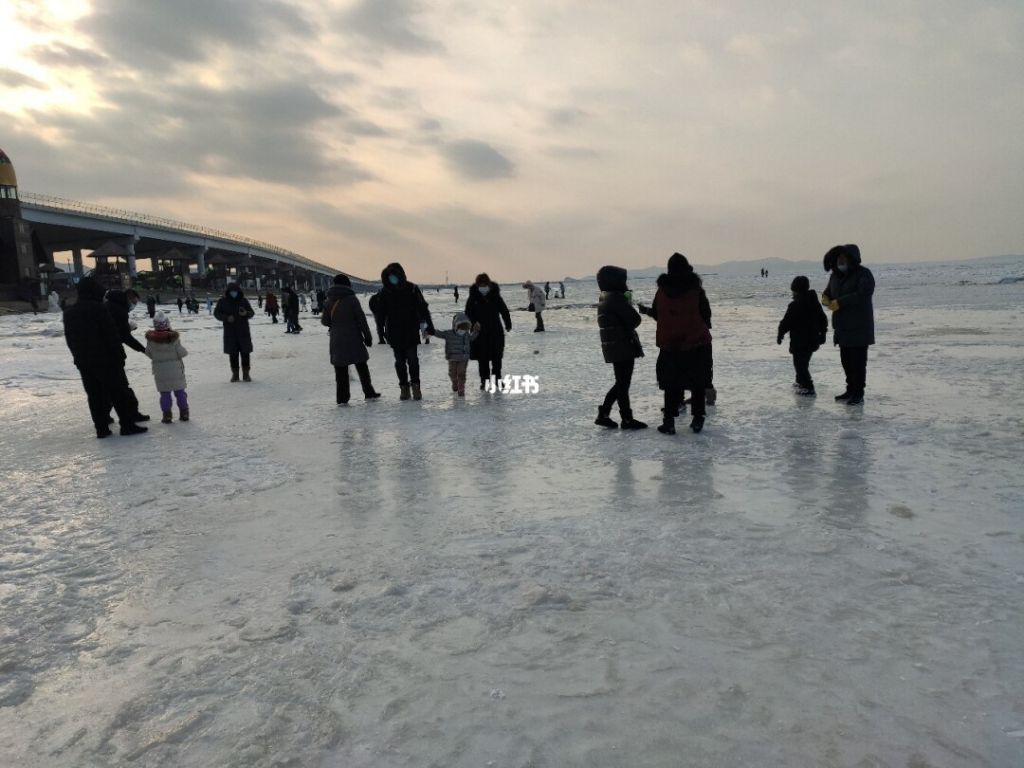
164, 348
618, 322
457, 343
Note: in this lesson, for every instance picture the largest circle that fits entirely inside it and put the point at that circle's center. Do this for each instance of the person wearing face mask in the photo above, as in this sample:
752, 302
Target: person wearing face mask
457, 345
618, 321
851, 287
350, 336
807, 326
234, 311
119, 304
404, 309
486, 308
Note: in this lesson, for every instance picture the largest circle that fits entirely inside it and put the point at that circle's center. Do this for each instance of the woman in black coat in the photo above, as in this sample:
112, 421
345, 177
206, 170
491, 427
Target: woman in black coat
486, 307
618, 322
350, 336
234, 311
851, 287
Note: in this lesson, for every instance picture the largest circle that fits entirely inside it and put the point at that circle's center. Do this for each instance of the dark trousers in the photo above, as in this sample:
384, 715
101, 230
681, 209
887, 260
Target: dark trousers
105, 387
133, 400
540, 321
855, 364
489, 368
407, 365
380, 328
233, 356
341, 379
802, 363
681, 371
620, 389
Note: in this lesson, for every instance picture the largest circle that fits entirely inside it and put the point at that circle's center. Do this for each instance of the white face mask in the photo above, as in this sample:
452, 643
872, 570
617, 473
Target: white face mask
484, 290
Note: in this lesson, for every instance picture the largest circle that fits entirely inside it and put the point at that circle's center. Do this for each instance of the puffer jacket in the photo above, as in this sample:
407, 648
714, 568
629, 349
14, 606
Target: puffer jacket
683, 313
166, 351
457, 346
805, 322
616, 317
854, 322
235, 314
350, 333
537, 297
403, 308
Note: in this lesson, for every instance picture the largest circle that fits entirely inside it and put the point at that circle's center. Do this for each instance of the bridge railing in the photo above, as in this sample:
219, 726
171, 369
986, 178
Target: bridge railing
122, 216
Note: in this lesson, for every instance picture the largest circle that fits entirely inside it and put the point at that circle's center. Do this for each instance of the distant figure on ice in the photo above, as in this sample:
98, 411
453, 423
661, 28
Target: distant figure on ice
851, 287
272, 308
456, 294
457, 345
561, 289
486, 308
151, 306
164, 348
378, 316
321, 297
807, 326
620, 345
683, 314
537, 302
547, 290
181, 303
291, 310
404, 309
209, 304
234, 311
350, 336
259, 301
119, 304
96, 349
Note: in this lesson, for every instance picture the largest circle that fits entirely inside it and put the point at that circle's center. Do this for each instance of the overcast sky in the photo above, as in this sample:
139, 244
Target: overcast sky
539, 138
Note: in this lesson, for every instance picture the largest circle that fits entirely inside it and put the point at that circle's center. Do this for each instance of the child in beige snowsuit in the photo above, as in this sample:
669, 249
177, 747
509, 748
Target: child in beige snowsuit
456, 349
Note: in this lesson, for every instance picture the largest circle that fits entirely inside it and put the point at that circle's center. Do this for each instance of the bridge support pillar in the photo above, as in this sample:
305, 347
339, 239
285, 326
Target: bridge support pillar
76, 256
130, 247
201, 261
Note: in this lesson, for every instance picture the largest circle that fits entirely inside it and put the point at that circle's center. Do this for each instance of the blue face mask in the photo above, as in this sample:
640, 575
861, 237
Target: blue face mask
484, 290
843, 268
233, 294
393, 279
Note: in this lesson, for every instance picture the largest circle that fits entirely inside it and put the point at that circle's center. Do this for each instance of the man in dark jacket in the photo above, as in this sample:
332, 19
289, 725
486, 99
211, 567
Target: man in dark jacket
807, 326
234, 311
486, 307
151, 306
405, 311
291, 310
683, 314
119, 304
618, 322
96, 348
849, 296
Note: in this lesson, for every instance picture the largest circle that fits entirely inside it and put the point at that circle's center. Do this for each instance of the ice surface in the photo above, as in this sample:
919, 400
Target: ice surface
496, 581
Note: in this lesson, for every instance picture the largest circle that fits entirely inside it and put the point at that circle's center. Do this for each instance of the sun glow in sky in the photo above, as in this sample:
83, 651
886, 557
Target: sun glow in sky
539, 138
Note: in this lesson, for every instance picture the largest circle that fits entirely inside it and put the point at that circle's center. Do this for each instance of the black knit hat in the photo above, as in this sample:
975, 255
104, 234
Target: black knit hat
342, 280
678, 265
800, 284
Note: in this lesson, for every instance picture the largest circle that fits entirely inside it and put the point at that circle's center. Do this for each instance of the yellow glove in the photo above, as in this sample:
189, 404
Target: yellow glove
825, 299
833, 305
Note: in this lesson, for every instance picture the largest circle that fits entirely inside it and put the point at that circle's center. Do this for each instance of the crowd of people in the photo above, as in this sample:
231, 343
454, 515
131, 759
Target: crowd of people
98, 328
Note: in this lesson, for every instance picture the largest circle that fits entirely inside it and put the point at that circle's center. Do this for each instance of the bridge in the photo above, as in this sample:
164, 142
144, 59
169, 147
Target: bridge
67, 225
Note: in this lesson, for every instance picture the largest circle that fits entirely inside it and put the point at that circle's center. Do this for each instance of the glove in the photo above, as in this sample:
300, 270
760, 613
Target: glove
642, 307
825, 299
780, 339
833, 305
476, 327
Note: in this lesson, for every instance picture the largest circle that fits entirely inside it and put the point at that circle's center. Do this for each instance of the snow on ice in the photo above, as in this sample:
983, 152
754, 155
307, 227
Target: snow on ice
496, 581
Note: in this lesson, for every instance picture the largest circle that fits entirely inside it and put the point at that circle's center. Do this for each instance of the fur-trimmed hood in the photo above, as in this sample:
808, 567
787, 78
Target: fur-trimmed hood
162, 337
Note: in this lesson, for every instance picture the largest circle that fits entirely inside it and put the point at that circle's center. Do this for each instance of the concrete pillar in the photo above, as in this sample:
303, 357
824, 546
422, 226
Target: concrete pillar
154, 264
76, 256
130, 246
201, 261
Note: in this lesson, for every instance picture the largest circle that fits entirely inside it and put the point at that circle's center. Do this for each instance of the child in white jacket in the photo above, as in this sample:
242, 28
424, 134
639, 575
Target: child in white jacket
164, 348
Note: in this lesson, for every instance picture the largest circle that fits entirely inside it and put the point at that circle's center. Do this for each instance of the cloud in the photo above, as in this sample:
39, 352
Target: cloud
564, 117
572, 153
15, 79
148, 36
64, 55
477, 160
389, 23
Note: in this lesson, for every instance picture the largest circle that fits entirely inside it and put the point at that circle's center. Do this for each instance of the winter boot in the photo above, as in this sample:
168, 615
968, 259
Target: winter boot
183, 415
668, 427
806, 391
697, 424
462, 390
855, 399
168, 418
405, 392
371, 395
710, 395
245, 375
628, 422
132, 429
842, 397
417, 394
102, 433
234, 375
604, 420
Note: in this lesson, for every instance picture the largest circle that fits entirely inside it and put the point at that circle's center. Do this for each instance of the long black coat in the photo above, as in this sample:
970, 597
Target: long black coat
403, 308
350, 333
616, 317
492, 314
117, 306
854, 321
90, 332
805, 322
237, 338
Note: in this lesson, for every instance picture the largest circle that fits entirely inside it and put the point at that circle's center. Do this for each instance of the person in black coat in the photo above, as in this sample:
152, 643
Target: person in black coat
378, 317
234, 310
486, 307
119, 304
851, 287
151, 306
620, 345
96, 348
291, 310
807, 326
405, 312
350, 336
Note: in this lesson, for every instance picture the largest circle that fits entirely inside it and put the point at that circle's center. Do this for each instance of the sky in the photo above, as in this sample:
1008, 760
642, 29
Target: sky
531, 138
